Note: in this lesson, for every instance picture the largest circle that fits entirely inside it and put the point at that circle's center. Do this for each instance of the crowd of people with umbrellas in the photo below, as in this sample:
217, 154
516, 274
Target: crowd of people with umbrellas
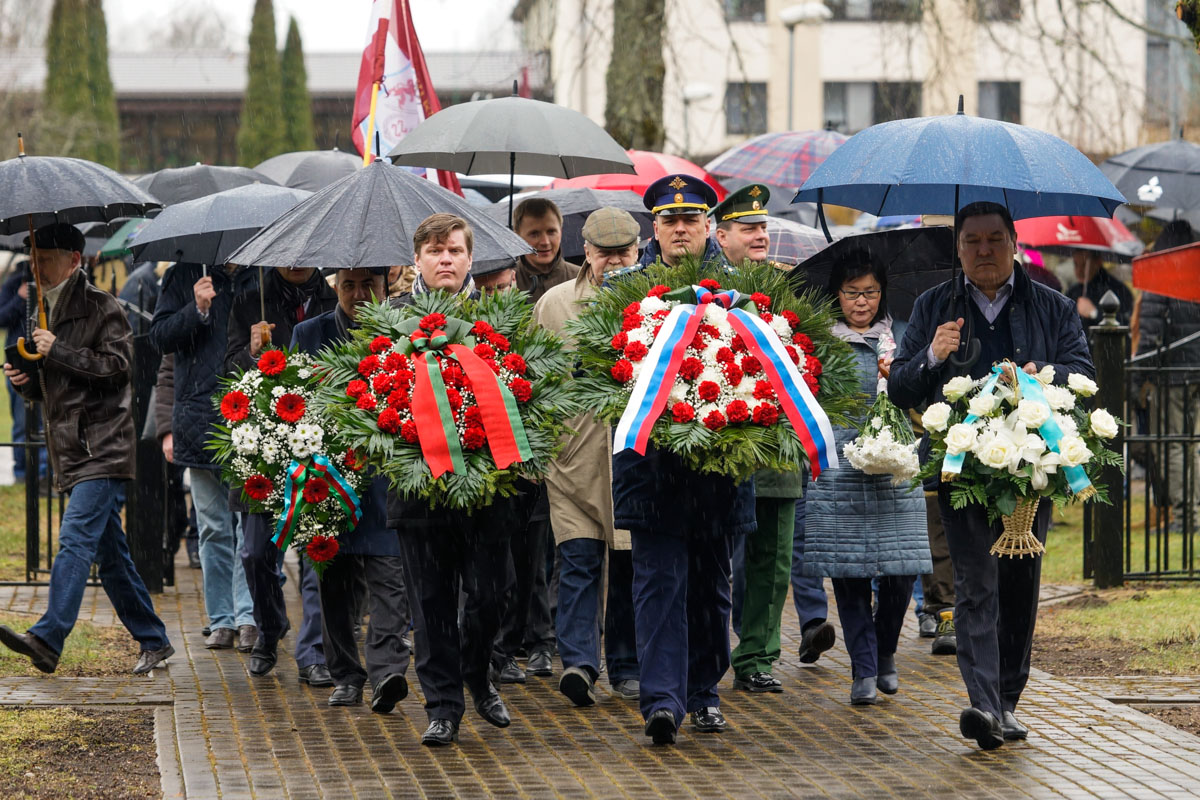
233, 261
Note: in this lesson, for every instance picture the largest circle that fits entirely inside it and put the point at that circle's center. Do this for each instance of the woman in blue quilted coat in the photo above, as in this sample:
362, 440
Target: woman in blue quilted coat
861, 526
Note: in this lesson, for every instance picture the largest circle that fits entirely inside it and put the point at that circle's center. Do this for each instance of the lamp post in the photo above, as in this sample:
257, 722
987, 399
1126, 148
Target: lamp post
810, 13
692, 93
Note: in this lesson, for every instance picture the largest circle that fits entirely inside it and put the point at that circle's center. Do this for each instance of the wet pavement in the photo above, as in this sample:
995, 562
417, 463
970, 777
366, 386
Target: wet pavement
223, 734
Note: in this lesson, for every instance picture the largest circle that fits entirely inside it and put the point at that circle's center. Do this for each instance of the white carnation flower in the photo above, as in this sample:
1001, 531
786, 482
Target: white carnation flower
1060, 399
714, 314
305, 374
1103, 424
652, 304
781, 327
1066, 424
936, 417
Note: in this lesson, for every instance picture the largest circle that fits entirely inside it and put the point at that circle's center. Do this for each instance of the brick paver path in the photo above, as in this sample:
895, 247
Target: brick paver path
223, 734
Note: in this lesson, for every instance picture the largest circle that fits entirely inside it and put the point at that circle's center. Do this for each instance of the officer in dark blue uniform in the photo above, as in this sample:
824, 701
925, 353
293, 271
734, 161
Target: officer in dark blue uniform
682, 525
370, 553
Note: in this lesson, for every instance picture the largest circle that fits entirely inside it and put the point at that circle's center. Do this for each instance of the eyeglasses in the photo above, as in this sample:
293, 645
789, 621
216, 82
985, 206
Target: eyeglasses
870, 294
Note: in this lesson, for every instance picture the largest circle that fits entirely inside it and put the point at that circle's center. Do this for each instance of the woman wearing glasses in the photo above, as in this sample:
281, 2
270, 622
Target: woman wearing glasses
862, 527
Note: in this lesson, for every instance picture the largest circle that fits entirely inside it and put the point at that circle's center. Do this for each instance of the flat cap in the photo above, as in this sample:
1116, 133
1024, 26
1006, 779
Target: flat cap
611, 228
59, 236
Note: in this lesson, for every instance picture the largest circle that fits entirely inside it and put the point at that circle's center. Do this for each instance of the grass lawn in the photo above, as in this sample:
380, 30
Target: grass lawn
89, 651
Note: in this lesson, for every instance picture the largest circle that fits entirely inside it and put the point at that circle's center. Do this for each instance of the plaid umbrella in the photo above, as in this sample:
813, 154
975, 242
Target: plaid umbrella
779, 159
792, 242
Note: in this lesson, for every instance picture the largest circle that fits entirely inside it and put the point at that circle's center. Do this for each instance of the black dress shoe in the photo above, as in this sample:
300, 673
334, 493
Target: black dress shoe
759, 682
492, 708
816, 640
1012, 728
660, 727
862, 692
316, 675
511, 672
888, 679
262, 659
982, 726
30, 646
440, 733
578, 686
389, 691
346, 695
150, 659
709, 720
541, 664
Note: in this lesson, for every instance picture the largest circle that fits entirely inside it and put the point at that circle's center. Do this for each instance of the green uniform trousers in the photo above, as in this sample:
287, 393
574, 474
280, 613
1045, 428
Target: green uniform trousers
768, 554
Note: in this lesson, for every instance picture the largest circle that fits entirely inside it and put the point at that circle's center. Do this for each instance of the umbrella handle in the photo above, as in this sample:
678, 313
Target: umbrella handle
43, 323
25, 354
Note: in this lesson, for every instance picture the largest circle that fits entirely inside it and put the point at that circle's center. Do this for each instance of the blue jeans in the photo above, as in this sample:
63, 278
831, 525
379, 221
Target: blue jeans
808, 593
226, 594
91, 532
578, 622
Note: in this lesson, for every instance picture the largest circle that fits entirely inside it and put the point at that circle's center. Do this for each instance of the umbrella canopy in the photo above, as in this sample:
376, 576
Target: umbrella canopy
1174, 272
916, 259
180, 184
208, 229
1165, 175
53, 189
311, 170
936, 165
1062, 235
648, 167
791, 242
367, 219
779, 159
117, 245
576, 205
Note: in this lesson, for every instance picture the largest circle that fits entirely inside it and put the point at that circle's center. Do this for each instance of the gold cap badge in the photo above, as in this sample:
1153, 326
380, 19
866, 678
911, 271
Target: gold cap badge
678, 183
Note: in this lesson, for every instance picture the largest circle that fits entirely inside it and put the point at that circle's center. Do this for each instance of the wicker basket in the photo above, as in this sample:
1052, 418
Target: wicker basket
1018, 540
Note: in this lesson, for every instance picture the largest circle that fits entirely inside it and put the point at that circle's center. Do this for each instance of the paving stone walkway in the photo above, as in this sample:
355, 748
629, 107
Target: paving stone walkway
223, 734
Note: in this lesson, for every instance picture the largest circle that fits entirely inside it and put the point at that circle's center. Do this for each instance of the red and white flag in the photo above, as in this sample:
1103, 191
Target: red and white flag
392, 61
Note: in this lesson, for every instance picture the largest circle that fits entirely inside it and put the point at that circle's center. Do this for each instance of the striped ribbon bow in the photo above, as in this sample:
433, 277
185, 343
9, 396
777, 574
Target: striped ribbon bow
294, 504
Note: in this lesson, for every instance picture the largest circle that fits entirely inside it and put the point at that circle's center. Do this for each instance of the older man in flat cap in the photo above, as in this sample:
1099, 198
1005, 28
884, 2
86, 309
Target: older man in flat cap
580, 492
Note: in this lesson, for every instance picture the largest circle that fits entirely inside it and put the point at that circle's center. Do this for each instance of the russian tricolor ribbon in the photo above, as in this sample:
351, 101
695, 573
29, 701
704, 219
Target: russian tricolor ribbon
661, 366
294, 504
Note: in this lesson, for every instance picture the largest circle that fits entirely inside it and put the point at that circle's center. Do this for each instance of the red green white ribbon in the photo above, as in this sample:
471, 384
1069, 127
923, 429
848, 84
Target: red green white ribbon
294, 504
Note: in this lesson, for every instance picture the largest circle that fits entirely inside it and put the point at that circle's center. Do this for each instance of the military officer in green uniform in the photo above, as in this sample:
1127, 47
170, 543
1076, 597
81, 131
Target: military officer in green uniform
741, 223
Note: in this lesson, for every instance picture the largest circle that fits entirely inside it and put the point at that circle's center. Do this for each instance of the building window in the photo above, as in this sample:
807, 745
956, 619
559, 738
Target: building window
745, 109
1000, 100
850, 107
876, 10
998, 10
746, 10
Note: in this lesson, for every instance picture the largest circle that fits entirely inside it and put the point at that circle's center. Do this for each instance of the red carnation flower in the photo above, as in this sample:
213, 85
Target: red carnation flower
322, 548
751, 365
631, 322
389, 420
733, 373
636, 351
484, 350
315, 490
521, 389
620, 340
737, 411
803, 342
481, 328
368, 366
355, 388
737, 344
690, 368
766, 316
708, 391
812, 366
381, 383
662, 313
683, 412
708, 330
398, 400
793, 354
474, 437
763, 390
353, 461
491, 362
725, 355
380, 343
813, 385
235, 406
289, 407
366, 401
455, 398
710, 284
409, 431
632, 308
766, 414
257, 487
452, 374
654, 332
761, 300
622, 370
699, 341
658, 291
714, 421
272, 362
472, 416
394, 361
432, 322
515, 362
791, 317
499, 342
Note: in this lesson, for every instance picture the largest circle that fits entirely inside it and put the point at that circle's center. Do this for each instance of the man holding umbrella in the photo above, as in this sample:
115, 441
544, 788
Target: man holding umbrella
1014, 319
83, 380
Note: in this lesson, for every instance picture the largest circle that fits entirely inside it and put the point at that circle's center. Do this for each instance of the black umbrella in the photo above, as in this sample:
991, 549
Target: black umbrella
576, 205
916, 259
311, 170
180, 184
367, 219
1165, 175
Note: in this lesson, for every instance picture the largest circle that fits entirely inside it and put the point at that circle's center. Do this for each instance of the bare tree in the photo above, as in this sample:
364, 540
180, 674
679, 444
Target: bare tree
193, 26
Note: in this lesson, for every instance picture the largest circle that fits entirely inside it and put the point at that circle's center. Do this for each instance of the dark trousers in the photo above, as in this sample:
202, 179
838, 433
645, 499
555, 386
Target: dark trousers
996, 608
681, 599
261, 560
526, 616
808, 592
938, 586
581, 577
386, 650
869, 637
437, 561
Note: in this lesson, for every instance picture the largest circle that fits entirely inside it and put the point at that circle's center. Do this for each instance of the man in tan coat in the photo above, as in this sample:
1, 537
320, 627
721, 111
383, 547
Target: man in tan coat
580, 491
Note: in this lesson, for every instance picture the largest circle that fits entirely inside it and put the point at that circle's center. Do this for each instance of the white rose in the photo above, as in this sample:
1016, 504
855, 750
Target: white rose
956, 387
1103, 424
982, 405
1060, 399
1067, 425
1032, 413
1073, 451
995, 451
1046, 375
1082, 384
960, 438
936, 417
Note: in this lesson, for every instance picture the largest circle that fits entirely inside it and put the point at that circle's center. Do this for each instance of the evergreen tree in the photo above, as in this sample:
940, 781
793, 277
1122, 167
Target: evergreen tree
261, 132
297, 107
107, 143
634, 107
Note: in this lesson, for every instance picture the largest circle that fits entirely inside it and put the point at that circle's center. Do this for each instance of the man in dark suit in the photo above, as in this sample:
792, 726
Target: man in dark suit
370, 552
1015, 319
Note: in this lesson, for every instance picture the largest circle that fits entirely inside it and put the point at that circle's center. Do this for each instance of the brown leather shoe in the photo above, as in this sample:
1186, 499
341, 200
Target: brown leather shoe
247, 635
220, 639
29, 645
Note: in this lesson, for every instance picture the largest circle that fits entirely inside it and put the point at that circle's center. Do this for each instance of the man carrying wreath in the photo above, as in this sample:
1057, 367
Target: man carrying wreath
1013, 319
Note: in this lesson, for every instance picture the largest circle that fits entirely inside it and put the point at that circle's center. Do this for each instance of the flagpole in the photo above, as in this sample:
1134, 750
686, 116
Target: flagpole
367, 157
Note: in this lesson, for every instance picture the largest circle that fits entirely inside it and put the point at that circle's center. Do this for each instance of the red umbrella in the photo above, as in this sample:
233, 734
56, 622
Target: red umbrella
648, 167
1064, 234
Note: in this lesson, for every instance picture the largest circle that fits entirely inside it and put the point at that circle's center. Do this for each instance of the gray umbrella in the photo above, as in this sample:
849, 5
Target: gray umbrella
42, 190
311, 170
208, 229
512, 134
367, 219
180, 184
576, 205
